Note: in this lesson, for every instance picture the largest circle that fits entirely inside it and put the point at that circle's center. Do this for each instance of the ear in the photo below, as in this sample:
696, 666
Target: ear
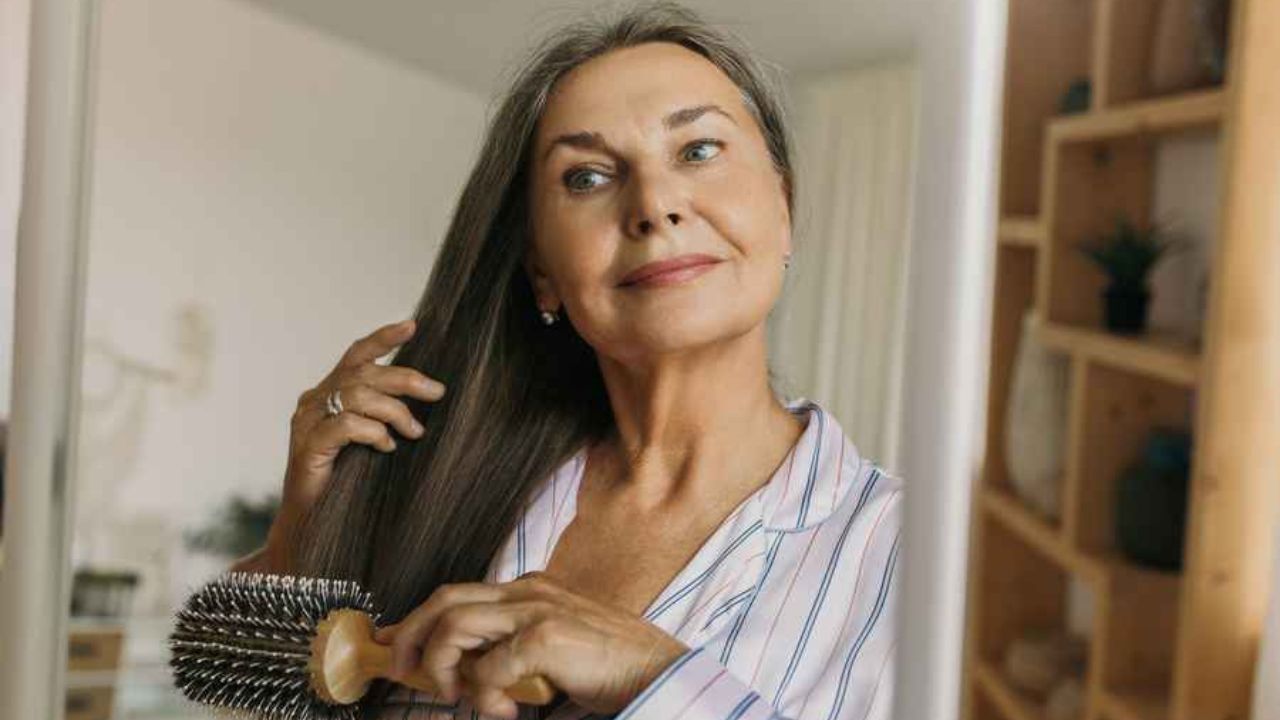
544, 292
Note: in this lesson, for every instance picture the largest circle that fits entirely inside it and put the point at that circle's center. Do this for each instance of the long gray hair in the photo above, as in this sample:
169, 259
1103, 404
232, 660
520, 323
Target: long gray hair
522, 397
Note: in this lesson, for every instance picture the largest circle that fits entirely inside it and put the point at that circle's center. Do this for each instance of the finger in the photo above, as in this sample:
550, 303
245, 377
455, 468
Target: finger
468, 627
366, 401
512, 659
416, 627
378, 343
385, 634
492, 701
398, 380
347, 427
310, 411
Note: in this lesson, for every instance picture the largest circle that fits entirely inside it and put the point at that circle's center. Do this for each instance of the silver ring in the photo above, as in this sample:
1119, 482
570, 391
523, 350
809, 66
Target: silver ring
333, 404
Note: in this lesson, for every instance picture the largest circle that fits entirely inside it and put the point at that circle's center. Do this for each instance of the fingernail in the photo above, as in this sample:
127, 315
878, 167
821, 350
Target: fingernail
416, 427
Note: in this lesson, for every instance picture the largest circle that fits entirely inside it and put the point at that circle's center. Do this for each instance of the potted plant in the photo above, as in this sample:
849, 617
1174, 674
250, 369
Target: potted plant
102, 593
240, 527
1127, 255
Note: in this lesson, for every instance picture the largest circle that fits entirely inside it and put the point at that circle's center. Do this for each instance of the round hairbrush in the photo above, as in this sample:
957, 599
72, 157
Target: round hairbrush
277, 646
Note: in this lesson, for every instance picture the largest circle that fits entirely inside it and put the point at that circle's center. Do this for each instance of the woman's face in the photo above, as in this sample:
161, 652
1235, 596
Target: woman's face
648, 154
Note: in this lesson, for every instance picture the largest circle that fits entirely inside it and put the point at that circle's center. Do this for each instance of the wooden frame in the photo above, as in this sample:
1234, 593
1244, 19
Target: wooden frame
1164, 646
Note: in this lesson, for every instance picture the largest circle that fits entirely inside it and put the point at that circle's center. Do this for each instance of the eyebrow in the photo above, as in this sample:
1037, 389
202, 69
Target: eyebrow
591, 140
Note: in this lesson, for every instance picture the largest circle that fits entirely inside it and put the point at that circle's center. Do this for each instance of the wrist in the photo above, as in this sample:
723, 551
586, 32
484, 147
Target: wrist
664, 655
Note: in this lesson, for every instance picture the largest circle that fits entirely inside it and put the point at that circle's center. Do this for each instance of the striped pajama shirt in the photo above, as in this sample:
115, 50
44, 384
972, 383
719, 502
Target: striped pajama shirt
788, 608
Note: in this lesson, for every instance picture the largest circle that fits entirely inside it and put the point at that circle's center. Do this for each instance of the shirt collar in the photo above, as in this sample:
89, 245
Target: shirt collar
815, 475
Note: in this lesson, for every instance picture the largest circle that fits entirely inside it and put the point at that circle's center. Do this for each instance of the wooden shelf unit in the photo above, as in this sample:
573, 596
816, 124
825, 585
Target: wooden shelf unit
1179, 113
1152, 355
1063, 179
1012, 704
1021, 232
1138, 706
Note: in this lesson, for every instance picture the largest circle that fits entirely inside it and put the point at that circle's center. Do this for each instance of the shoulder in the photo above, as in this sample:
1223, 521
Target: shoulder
830, 482
827, 481
854, 528
868, 514
872, 490
861, 540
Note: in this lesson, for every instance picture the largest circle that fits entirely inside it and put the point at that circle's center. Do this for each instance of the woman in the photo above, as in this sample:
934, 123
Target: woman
608, 493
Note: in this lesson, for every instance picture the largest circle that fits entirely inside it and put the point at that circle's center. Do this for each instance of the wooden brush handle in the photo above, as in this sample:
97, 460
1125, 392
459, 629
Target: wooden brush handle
533, 690
345, 659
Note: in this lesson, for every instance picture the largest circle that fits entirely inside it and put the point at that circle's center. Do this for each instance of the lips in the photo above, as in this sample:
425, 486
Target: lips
670, 265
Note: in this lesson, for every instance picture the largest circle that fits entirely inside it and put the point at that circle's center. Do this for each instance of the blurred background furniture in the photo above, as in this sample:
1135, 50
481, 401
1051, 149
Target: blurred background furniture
93, 661
1088, 140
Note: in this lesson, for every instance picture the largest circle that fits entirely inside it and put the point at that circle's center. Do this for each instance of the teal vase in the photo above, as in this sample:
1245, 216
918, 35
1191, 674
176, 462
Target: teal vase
1151, 507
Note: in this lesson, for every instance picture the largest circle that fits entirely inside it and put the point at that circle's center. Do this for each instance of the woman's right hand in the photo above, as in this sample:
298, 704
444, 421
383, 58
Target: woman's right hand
371, 406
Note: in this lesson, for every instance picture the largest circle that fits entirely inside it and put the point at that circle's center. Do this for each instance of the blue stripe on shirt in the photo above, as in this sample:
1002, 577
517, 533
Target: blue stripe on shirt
727, 605
847, 670
702, 577
819, 600
742, 619
812, 480
645, 694
741, 709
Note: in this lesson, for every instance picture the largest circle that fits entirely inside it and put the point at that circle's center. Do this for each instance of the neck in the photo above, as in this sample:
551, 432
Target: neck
695, 421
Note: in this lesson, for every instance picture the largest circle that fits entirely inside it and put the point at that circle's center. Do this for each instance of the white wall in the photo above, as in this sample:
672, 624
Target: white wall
292, 187
960, 50
1186, 197
15, 17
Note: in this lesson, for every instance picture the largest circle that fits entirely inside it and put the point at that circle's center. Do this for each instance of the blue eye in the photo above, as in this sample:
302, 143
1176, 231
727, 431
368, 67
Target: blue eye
708, 148
583, 179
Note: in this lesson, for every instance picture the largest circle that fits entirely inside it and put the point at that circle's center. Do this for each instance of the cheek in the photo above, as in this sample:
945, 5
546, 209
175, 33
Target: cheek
751, 214
577, 245
568, 223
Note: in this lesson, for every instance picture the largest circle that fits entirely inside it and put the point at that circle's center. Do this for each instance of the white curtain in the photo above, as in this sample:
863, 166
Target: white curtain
838, 333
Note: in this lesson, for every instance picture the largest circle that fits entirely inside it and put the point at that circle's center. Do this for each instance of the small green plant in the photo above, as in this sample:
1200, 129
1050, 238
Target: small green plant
239, 528
1129, 253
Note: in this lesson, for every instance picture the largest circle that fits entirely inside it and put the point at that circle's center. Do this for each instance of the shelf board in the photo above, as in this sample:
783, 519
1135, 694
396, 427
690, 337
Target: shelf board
1186, 111
1149, 355
1021, 231
1113, 563
1038, 533
1136, 704
76, 679
1013, 705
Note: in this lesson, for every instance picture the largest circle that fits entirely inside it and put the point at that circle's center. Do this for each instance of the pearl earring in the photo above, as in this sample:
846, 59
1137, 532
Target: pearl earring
548, 317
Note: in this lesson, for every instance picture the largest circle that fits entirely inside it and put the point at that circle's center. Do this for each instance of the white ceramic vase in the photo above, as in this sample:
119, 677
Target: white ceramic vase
1036, 421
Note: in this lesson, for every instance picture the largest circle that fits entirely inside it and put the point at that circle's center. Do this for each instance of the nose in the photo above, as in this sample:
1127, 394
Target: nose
655, 206
645, 226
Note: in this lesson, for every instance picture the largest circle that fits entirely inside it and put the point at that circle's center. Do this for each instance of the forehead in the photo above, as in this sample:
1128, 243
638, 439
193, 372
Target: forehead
638, 84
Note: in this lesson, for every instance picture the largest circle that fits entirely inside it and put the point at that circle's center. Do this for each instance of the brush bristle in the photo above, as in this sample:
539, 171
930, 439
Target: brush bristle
243, 643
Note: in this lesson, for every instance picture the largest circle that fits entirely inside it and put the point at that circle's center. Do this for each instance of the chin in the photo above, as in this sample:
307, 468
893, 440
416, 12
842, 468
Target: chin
667, 333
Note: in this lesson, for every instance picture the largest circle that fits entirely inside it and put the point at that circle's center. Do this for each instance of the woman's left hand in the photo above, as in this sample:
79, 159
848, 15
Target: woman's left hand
599, 655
